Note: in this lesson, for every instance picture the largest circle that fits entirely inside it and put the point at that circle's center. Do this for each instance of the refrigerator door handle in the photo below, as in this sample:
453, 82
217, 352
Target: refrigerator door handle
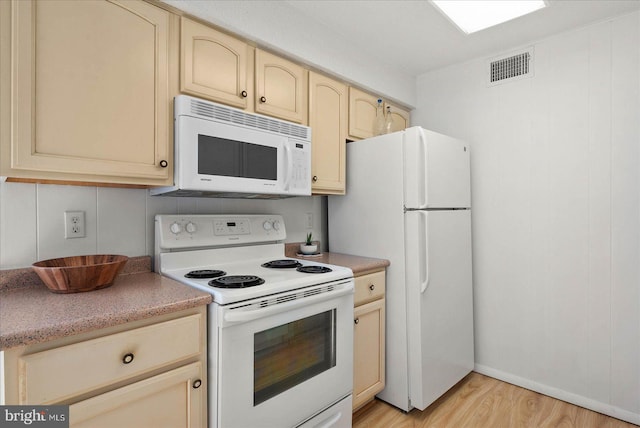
424, 252
423, 169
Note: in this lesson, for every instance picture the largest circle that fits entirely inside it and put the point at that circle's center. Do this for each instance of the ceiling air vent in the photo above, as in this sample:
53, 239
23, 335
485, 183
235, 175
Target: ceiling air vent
510, 68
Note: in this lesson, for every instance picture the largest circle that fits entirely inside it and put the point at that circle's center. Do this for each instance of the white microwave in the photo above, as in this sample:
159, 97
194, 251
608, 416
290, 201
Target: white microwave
221, 151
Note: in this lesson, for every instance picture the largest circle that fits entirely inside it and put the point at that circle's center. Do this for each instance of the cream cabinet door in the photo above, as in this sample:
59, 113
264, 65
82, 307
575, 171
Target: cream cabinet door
173, 400
328, 117
281, 88
368, 352
362, 114
399, 117
215, 66
90, 96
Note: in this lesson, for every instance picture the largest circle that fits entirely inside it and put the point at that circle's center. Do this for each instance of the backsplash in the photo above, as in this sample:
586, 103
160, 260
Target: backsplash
119, 220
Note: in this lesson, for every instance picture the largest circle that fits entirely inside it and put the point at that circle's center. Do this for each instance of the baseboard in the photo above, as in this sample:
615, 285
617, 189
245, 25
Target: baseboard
569, 397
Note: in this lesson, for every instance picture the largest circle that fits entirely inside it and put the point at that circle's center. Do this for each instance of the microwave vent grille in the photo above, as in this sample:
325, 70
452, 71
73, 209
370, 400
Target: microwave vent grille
237, 117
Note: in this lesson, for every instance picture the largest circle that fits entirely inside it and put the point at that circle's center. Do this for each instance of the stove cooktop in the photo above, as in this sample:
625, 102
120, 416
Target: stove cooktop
203, 251
274, 280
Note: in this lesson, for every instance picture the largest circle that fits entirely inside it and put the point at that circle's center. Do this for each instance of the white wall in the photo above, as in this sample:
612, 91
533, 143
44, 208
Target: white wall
119, 221
556, 213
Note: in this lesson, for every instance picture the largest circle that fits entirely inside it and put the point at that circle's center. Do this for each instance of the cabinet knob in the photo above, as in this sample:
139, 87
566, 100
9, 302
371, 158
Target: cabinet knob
356, 321
315, 178
244, 94
197, 383
263, 100
128, 358
371, 287
164, 163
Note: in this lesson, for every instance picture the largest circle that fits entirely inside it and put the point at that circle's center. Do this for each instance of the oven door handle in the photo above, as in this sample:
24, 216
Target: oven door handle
245, 315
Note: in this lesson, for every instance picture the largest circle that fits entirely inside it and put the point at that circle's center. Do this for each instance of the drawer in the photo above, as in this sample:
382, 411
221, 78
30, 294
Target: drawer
61, 373
369, 287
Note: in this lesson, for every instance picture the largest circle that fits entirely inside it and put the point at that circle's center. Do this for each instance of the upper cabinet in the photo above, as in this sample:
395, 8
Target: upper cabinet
399, 117
362, 115
281, 87
215, 65
328, 104
87, 91
224, 69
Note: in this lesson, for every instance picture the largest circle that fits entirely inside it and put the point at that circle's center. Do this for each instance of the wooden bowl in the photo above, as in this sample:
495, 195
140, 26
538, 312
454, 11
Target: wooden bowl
79, 273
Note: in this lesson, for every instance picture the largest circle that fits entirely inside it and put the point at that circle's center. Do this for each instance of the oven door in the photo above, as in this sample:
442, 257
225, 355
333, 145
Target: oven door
283, 363
219, 157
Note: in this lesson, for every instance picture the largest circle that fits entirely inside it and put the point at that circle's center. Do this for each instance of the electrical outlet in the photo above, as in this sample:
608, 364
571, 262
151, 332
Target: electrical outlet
74, 226
309, 220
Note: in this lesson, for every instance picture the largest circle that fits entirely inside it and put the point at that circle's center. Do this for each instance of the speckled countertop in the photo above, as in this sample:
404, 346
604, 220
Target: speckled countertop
30, 313
358, 264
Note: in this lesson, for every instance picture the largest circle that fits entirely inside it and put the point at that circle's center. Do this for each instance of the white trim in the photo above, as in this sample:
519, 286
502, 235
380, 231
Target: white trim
569, 397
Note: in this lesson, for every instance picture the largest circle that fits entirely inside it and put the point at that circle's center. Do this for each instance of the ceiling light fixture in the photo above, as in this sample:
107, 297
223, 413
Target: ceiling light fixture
475, 15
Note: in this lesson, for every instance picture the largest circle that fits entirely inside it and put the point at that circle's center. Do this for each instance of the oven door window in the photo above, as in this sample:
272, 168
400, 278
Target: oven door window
288, 355
230, 158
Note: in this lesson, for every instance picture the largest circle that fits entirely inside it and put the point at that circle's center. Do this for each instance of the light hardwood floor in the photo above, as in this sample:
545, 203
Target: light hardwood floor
479, 401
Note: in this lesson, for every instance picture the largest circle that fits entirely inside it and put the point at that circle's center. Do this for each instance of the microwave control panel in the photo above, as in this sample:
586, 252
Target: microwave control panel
301, 159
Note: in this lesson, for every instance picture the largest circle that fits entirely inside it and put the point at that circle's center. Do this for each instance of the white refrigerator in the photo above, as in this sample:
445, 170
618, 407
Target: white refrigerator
408, 200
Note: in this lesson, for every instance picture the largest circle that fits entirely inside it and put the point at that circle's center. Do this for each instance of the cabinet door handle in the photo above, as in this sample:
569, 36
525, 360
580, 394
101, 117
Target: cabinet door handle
263, 100
244, 94
371, 287
197, 383
164, 163
315, 178
356, 321
128, 358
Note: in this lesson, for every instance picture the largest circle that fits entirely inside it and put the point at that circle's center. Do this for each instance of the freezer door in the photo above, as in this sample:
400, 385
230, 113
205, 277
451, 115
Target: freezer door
439, 302
437, 170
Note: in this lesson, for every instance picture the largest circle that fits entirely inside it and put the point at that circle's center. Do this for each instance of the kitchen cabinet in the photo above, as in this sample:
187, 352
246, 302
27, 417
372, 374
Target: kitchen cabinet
225, 69
87, 91
368, 337
281, 87
328, 117
399, 116
215, 65
150, 372
362, 114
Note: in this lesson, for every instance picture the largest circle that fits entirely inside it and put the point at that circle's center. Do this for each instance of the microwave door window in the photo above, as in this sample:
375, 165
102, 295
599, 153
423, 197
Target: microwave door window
230, 158
260, 162
218, 156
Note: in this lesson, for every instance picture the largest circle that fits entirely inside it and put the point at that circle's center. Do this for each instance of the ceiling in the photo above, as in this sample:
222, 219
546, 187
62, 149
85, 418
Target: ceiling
382, 46
415, 37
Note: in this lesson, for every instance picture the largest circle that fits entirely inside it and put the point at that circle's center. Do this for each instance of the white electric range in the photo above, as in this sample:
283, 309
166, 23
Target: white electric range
280, 330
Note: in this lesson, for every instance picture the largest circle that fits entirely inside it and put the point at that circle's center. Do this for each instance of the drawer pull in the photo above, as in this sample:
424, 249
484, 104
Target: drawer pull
197, 383
315, 178
371, 287
244, 94
356, 321
263, 100
128, 358
164, 163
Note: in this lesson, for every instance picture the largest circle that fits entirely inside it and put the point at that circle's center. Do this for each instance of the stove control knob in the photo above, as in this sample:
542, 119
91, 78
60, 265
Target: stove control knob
267, 225
276, 225
175, 228
191, 227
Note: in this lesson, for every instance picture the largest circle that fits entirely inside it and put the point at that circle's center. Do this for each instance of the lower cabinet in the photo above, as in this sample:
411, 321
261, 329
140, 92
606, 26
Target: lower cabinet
147, 373
368, 338
171, 400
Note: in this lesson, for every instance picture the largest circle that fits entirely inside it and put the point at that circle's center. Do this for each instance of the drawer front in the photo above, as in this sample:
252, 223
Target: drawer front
369, 287
57, 374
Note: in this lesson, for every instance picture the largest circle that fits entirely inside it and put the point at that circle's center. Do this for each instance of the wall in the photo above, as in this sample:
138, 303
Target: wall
118, 220
556, 213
